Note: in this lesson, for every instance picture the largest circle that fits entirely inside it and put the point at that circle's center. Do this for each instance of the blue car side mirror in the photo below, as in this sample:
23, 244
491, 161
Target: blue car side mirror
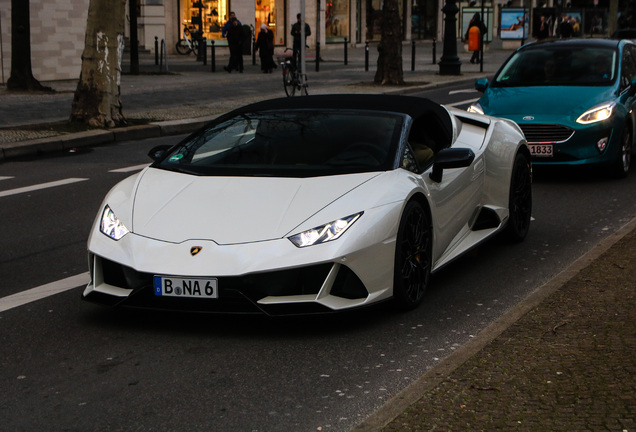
481, 84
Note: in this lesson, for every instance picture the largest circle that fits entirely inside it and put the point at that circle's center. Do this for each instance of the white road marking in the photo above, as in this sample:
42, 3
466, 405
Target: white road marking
5, 178
469, 101
462, 91
41, 186
129, 169
42, 291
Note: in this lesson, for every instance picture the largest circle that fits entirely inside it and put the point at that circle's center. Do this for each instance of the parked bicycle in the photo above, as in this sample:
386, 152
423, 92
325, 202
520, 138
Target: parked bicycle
293, 78
190, 41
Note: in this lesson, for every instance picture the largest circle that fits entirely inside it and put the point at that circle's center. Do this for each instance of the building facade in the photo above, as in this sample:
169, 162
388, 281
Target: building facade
58, 26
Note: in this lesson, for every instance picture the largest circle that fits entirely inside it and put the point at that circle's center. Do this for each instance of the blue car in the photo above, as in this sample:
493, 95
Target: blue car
573, 98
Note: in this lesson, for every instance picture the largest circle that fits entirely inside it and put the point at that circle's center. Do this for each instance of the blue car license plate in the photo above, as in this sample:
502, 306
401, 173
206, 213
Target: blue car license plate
541, 150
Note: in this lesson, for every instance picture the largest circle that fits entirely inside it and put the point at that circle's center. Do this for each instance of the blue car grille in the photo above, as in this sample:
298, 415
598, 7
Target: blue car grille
546, 133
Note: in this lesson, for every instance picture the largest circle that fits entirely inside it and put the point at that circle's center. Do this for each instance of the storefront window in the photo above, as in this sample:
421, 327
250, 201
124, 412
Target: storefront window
423, 19
266, 13
209, 15
337, 21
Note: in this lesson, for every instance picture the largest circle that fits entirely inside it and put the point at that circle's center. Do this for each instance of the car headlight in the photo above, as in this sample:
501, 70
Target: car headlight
475, 108
111, 226
324, 233
598, 113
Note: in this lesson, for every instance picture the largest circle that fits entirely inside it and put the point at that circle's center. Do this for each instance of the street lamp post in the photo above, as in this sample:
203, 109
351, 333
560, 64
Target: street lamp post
449, 63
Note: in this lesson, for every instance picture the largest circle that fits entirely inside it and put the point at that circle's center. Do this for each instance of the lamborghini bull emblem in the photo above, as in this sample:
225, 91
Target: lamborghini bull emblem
195, 250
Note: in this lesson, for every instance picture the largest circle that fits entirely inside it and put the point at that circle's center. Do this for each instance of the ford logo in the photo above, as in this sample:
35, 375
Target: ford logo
528, 118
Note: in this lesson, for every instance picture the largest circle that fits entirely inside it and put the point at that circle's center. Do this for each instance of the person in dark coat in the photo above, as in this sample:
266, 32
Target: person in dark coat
265, 48
235, 37
296, 31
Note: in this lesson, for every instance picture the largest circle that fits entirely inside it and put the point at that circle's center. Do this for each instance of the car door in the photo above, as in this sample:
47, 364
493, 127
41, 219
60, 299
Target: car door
628, 73
456, 198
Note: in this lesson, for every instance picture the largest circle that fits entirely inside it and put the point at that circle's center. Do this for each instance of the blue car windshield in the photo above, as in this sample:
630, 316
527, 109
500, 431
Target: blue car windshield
559, 66
294, 143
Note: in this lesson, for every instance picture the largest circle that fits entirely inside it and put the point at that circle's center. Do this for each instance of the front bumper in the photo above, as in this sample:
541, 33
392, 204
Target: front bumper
580, 146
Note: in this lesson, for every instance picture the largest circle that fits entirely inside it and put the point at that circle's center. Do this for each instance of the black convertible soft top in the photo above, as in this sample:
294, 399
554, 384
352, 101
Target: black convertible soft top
412, 106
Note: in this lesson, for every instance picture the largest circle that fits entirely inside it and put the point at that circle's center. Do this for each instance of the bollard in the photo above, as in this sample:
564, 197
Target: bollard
212, 56
366, 56
434, 49
253, 49
345, 52
199, 38
412, 56
163, 45
317, 56
164, 55
204, 47
156, 50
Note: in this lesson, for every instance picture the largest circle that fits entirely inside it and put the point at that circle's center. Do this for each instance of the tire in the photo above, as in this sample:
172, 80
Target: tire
288, 83
520, 199
195, 47
413, 257
620, 168
183, 48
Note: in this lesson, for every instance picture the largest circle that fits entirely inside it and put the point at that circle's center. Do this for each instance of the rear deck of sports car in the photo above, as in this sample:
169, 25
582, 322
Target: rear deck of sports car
237, 294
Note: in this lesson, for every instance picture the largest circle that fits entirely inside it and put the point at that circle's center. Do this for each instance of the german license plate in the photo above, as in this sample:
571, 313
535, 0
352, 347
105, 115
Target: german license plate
541, 150
174, 286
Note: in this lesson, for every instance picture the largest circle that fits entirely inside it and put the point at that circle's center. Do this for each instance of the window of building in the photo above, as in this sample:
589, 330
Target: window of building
423, 19
207, 15
266, 13
337, 15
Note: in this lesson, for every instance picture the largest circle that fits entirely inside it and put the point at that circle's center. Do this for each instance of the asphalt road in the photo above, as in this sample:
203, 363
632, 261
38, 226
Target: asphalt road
69, 365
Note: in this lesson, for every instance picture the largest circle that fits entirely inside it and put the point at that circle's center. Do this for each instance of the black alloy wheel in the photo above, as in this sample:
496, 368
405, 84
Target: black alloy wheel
413, 257
520, 201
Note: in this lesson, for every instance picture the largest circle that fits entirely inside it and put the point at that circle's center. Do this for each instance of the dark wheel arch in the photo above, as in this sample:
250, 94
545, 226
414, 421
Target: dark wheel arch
519, 198
413, 255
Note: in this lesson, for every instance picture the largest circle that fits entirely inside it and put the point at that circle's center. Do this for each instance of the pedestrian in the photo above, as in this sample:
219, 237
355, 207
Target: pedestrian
235, 37
228, 23
295, 32
476, 21
265, 48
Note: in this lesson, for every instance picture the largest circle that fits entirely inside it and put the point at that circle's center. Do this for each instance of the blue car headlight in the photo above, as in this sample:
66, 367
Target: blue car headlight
111, 226
598, 113
324, 233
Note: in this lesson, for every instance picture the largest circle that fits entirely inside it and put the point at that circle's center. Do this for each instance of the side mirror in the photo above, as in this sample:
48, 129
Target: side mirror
481, 84
157, 152
451, 158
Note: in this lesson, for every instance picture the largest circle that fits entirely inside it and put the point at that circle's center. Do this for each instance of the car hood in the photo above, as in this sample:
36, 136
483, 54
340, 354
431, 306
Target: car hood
542, 102
175, 207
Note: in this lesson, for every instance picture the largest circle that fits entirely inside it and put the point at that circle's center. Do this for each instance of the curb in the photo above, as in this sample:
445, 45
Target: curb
99, 137
411, 394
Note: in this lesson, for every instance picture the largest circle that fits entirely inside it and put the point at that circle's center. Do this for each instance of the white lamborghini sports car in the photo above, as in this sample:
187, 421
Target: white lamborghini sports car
309, 205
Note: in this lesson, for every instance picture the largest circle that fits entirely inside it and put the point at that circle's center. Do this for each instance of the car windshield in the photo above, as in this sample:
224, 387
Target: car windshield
299, 143
559, 66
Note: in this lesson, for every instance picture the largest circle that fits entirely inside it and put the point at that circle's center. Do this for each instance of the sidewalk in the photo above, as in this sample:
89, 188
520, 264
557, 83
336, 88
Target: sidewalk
190, 94
562, 360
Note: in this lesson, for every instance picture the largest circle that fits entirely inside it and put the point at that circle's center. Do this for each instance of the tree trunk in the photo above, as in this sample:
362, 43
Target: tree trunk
21, 73
389, 70
97, 100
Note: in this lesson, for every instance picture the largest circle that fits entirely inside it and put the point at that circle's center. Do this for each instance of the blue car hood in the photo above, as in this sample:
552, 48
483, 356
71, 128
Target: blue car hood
543, 102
